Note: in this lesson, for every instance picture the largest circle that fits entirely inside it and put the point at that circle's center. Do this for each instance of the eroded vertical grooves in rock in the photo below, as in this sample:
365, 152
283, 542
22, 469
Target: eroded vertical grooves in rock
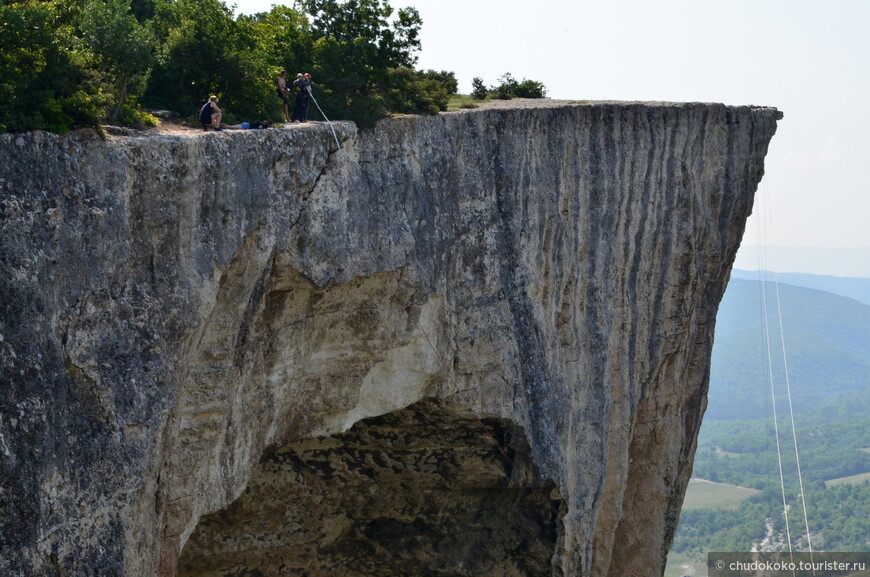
180, 311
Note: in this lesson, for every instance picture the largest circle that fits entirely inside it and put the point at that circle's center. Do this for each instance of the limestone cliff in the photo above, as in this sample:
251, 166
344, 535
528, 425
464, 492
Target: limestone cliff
473, 344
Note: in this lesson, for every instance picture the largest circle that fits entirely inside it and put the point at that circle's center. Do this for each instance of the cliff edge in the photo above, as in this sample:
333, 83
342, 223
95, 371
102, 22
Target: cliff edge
471, 344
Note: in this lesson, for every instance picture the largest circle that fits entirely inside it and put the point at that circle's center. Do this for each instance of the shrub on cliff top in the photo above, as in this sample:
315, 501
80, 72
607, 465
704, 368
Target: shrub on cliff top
507, 88
418, 92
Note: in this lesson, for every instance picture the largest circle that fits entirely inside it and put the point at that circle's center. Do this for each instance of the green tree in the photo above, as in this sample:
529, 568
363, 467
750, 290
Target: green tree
530, 89
206, 51
123, 48
356, 44
507, 87
44, 82
191, 56
419, 92
478, 89
283, 42
395, 39
145, 10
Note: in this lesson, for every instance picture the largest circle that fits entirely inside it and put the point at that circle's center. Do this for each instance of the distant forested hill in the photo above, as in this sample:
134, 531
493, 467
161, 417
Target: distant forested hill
827, 341
827, 344
857, 288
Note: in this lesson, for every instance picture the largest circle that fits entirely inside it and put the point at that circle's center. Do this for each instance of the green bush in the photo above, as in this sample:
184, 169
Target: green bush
530, 89
418, 92
131, 115
478, 89
80, 109
507, 88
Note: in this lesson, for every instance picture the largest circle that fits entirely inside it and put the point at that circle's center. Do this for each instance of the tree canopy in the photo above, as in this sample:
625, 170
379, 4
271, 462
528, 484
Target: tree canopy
74, 63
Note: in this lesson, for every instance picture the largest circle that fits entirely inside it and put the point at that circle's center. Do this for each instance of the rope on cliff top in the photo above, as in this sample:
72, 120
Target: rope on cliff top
334, 135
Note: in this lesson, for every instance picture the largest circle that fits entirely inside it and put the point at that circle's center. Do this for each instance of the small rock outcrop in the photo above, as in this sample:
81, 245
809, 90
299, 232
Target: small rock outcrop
471, 344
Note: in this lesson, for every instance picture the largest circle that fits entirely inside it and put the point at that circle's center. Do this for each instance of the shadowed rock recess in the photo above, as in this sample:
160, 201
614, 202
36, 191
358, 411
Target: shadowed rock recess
475, 344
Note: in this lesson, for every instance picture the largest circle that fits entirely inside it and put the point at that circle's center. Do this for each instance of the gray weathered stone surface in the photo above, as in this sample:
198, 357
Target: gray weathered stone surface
487, 327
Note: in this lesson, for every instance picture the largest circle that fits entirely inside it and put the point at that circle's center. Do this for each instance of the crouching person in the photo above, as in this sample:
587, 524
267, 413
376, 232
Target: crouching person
210, 114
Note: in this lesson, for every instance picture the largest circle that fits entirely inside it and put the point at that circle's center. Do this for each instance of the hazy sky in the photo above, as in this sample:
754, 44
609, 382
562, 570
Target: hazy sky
809, 59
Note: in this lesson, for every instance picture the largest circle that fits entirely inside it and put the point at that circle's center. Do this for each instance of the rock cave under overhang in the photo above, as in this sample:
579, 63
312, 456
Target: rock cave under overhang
428, 490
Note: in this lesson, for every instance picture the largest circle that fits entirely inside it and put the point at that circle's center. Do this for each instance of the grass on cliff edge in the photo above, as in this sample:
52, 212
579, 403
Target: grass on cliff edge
466, 101
463, 101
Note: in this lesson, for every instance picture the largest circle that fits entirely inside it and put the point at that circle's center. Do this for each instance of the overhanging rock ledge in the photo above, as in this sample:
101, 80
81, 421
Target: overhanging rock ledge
470, 344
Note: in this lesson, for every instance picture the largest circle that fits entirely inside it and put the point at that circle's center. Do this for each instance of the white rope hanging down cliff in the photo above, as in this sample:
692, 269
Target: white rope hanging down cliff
334, 135
762, 266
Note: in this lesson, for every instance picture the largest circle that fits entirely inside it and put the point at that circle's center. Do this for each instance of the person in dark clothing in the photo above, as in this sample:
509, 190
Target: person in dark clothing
302, 90
210, 114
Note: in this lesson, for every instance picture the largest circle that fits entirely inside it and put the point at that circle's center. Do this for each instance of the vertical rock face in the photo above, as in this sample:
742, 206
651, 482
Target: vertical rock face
470, 344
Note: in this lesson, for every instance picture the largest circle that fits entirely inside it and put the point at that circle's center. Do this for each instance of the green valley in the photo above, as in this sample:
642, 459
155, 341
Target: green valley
735, 500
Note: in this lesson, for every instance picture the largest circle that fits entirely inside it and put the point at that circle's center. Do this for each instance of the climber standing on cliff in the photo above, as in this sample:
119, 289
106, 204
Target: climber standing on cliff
302, 90
210, 114
281, 91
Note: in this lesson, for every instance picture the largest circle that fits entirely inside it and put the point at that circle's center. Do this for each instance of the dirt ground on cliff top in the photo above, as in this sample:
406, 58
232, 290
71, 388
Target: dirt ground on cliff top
182, 127
178, 126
